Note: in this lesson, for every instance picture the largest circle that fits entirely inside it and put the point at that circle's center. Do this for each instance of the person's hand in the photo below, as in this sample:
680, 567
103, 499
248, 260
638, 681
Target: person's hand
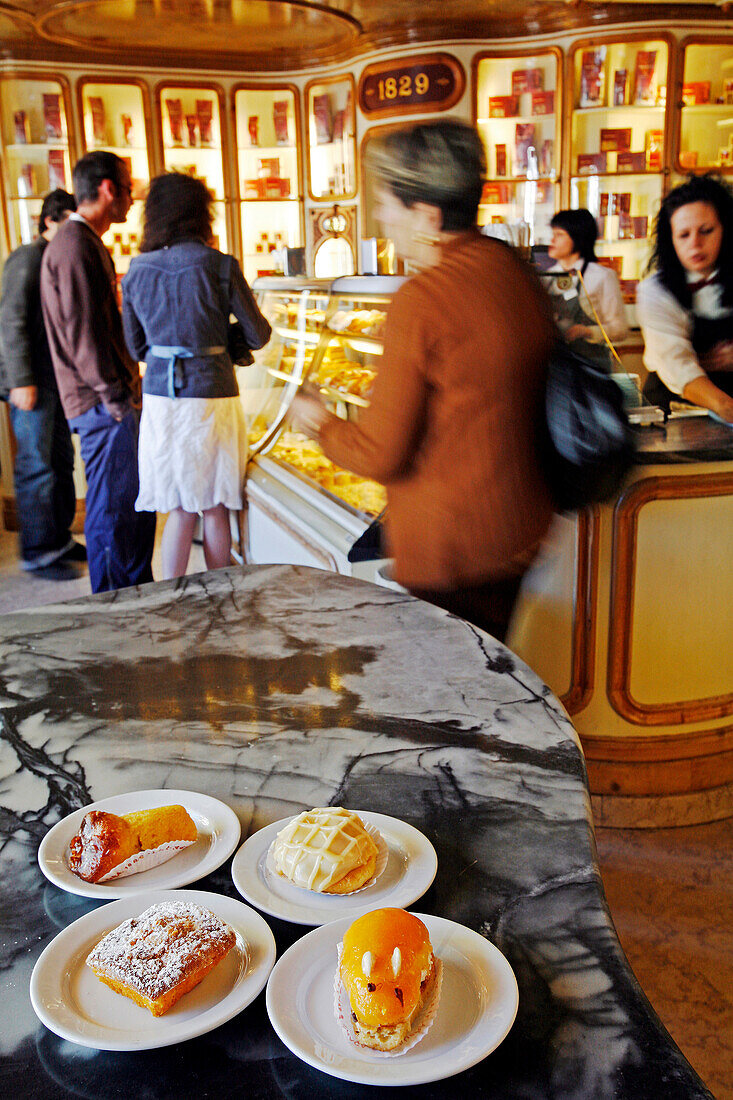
578, 332
24, 397
719, 358
307, 413
725, 408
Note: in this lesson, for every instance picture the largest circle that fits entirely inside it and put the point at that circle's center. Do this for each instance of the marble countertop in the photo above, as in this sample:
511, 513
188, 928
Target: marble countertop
278, 688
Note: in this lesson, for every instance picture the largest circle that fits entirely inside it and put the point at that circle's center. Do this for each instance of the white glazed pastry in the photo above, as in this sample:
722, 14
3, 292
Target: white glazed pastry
327, 850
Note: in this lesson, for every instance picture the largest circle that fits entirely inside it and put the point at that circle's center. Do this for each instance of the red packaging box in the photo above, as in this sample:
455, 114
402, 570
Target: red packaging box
620, 80
254, 189
698, 91
615, 140
640, 225
503, 106
523, 140
688, 158
631, 162
52, 117
644, 76
543, 103
280, 121
56, 169
268, 166
593, 77
323, 118
495, 192
527, 80
501, 160
276, 188
590, 164
614, 262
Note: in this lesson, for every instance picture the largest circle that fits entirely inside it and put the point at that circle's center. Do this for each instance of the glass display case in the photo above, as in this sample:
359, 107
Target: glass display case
706, 107
331, 138
517, 103
331, 335
190, 117
36, 143
116, 116
617, 155
268, 163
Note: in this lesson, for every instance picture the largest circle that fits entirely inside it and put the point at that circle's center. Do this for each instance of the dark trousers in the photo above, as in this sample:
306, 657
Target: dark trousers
119, 539
44, 476
488, 606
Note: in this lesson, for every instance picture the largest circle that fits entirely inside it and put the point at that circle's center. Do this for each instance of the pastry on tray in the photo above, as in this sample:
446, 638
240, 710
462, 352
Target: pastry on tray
326, 849
389, 973
156, 958
110, 846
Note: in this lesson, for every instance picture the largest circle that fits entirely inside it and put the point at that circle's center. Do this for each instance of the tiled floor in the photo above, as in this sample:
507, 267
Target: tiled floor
670, 890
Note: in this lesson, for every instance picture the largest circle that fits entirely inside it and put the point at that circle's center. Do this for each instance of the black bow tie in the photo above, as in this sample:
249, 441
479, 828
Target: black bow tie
710, 281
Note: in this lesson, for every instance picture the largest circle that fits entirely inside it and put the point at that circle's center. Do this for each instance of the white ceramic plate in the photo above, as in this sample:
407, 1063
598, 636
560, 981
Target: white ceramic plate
478, 1003
72, 1002
218, 828
410, 870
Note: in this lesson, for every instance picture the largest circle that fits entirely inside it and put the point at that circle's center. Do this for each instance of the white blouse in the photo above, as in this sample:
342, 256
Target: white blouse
667, 330
605, 295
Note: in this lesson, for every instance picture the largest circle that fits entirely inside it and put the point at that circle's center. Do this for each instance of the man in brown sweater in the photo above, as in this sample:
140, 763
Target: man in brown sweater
98, 381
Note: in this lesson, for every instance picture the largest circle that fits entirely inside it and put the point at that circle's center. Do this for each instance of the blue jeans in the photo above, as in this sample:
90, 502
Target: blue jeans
119, 539
44, 476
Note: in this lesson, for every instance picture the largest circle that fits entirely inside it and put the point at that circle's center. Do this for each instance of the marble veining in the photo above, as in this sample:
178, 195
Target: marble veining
278, 688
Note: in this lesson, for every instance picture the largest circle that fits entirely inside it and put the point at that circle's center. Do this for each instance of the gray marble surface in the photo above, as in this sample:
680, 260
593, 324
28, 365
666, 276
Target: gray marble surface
276, 688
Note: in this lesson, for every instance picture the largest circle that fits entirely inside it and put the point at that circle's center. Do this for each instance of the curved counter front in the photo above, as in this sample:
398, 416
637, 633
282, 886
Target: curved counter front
277, 688
628, 615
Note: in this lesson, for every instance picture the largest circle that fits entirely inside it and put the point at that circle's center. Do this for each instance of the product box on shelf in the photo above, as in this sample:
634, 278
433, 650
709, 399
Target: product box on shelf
653, 147
56, 169
280, 121
631, 162
500, 159
615, 140
696, 92
52, 117
254, 189
205, 115
593, 77
192, 125
644, 93
503, 106
620, 81
276, 188
616, 263
21, 128
27, 181
175, 120
590, 164
527, 80
523, 142
268, 166
323, 118
547, 153
688, 158
543, 103
496, 193
99, 119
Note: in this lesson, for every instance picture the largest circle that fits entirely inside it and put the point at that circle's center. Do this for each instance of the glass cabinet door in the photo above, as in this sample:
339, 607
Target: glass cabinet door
617, 147
296, 310
269, 177
190, 120
706, 108
517, 107
115, 117
343, 367
36, 144
331, 138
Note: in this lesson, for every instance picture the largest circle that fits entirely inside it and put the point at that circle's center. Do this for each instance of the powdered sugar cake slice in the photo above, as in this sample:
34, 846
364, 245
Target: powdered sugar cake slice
156, 958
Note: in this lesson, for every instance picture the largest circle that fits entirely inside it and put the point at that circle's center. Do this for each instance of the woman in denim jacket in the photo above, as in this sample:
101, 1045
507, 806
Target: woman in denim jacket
176, 302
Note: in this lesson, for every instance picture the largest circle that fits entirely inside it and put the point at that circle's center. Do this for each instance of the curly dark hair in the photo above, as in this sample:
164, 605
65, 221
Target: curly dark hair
581, 227
178, 208
713, 191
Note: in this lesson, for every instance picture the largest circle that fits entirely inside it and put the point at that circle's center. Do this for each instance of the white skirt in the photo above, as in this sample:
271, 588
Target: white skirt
192, 453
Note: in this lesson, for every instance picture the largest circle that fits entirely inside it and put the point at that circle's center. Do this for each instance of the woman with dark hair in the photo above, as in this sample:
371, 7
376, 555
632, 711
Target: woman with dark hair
685, 308
176, 302
574, 234
456, 411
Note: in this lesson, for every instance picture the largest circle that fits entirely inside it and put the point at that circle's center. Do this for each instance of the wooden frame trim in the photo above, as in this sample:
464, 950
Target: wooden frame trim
136, 82
504, 54
409, 60
661, 765
678, 107
347, 195
623, 567
585, 612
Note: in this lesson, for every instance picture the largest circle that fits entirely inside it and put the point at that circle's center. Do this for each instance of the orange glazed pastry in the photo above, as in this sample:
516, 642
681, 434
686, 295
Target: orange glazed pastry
106, 840
156, 958
388, 970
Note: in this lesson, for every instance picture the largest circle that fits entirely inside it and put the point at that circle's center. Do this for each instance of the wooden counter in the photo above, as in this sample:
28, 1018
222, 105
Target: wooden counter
628, 616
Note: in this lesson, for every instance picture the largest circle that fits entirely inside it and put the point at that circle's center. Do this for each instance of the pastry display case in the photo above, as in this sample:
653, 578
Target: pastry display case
706, 107
330, 335
116, 116
617, 146
36, 146
517, 104
268, 163
331, 138
190, 117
